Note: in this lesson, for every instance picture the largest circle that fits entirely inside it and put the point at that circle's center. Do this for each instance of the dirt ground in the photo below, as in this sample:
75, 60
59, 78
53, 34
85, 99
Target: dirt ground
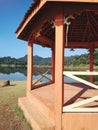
11, 118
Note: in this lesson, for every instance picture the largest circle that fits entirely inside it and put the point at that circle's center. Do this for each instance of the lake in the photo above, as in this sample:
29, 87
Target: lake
21, 74
13, 76
13, 73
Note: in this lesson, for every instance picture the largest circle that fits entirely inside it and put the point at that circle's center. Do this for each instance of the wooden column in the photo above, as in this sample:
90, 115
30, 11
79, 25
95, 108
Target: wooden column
91, 61
29, 66
53, 63
59, 67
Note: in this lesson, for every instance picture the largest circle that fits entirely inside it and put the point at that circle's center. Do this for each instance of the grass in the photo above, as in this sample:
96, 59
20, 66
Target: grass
11, 117
20, 114
80, 67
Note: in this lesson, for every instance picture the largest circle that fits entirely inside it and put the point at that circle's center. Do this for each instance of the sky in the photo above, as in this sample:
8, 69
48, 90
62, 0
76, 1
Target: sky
11, 14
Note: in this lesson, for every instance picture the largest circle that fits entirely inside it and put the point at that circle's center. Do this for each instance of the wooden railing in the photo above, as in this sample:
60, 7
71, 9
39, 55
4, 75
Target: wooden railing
76, 107
42, 75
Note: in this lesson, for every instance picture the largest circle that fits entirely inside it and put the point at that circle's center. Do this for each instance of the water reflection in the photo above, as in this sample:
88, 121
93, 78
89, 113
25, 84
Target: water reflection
9, 70
20, 73
13, 73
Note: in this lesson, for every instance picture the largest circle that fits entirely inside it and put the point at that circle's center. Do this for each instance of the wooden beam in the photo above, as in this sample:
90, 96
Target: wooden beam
84, 45
59, 66
81, 45
46, 41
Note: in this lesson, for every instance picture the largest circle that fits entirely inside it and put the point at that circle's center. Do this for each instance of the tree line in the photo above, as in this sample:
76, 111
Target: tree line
81, 60
9, 61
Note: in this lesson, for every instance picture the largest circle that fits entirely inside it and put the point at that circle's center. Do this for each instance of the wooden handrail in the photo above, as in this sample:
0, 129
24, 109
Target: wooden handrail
42, 76
72, 74
38, 80
80, 72
76, 107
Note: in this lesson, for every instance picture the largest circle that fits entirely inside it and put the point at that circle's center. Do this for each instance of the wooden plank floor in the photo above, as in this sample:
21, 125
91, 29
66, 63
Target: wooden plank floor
73, 92
46, 95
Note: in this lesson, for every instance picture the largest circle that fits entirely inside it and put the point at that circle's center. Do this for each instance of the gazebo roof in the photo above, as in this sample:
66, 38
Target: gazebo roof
82, 16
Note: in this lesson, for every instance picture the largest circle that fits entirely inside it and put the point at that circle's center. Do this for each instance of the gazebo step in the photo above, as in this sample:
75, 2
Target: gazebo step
37, 120
42, 106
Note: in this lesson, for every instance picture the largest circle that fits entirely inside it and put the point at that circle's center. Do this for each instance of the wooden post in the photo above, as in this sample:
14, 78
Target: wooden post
91, 61
29, 66
59, 67
53, 64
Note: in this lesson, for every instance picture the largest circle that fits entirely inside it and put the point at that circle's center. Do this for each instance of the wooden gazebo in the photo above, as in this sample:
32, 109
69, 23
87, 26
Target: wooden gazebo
59, 24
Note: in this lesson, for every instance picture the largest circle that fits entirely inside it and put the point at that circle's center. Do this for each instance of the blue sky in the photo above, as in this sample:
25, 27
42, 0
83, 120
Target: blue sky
11, 14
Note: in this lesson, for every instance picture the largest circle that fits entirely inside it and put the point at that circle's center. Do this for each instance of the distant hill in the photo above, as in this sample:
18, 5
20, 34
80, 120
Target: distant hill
37, 60
23, 59
9, 61
43, 61
72, 60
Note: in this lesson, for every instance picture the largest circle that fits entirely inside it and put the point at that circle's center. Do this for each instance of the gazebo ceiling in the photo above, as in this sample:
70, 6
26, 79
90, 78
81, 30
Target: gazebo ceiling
80, 22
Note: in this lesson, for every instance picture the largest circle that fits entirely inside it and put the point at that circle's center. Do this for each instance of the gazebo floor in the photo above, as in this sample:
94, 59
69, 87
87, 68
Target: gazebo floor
73, 92
38, 107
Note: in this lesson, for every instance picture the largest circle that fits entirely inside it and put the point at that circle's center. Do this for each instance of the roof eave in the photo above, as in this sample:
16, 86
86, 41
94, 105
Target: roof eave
31, 15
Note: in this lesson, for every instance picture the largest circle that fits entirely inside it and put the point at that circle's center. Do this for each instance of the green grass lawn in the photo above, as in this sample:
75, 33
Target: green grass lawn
11, 117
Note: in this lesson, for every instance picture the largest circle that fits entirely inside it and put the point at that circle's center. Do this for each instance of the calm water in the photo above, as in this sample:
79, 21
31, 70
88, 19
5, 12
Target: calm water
11, 73
21, 74
13, 76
